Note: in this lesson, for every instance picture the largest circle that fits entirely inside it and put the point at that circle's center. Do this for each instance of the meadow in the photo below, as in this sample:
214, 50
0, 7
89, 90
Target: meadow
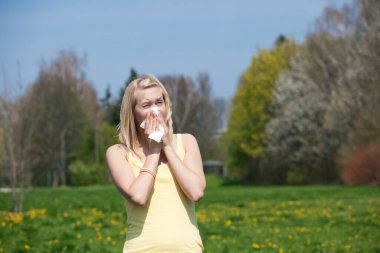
231, 217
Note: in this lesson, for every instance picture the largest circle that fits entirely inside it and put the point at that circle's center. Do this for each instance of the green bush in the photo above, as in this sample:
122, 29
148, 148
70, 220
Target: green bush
296, 176
81, 173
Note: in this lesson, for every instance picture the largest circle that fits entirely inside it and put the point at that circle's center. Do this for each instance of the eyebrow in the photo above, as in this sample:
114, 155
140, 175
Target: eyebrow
154, 99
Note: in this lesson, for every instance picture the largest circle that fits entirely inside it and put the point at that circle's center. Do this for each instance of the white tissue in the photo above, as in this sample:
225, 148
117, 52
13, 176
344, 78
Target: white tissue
156, 135
155, 110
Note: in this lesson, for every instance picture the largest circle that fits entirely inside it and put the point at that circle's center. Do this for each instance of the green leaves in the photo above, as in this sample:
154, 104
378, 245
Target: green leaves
250, 111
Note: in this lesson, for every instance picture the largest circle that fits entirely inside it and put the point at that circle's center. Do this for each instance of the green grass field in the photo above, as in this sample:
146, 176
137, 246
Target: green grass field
232, 218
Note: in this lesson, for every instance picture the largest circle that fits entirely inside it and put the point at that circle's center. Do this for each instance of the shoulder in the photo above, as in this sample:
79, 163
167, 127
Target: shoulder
115, 150
188, 137
188, 140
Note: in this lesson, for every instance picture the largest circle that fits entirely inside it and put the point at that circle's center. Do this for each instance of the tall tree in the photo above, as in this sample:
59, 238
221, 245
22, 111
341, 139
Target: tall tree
15, 135
250, 110
195, 110
106, 100
64, 105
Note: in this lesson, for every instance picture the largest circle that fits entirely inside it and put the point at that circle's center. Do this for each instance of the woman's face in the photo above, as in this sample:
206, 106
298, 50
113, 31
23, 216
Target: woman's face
146, 99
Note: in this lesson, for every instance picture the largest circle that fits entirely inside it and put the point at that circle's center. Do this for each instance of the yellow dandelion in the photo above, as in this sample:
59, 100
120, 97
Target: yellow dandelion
115, 222
214, 237
280, 250
347, 247
99, 235
16, 217
227, 223
26, 247
36, 213
202, 217
98, 225
32, 213
96, 213
123, 231
255, 246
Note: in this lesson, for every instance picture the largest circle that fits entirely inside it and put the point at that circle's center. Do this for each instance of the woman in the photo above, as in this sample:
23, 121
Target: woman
160, 181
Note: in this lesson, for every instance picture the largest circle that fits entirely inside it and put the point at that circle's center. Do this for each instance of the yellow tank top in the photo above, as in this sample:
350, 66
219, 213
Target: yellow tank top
167, 223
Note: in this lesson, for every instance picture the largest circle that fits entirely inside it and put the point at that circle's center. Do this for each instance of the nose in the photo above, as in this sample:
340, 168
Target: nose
156, 110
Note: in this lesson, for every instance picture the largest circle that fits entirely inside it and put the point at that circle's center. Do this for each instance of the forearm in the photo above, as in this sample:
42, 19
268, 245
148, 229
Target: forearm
190, 182
141, 188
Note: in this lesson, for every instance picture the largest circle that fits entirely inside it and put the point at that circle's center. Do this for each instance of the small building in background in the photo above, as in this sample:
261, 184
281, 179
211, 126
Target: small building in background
214, 167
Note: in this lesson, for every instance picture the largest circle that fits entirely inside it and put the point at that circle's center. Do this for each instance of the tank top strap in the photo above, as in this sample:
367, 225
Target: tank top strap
180, 148
132, 160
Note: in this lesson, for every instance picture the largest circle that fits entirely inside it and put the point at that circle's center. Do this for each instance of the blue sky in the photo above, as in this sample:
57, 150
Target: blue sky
157, 37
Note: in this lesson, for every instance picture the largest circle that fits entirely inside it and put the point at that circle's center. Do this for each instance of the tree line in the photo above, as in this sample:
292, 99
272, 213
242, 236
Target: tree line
306, 113
57, 131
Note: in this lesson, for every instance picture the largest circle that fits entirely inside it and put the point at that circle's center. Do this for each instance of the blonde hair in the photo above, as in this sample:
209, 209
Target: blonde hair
128, 126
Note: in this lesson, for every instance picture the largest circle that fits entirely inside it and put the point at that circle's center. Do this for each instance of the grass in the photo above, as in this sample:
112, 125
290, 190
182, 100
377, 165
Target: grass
232, 218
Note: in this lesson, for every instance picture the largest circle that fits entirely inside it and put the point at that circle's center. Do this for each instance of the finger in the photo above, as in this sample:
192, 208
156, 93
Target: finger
151, 122
148, 124
162, 123
156, 123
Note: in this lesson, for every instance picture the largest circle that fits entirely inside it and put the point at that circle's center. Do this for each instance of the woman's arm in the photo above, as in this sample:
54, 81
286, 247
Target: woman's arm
189, 173
136, 189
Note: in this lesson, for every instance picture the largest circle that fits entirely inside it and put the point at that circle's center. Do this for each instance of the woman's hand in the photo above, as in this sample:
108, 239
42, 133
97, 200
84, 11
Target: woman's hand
165, 138
152, 124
